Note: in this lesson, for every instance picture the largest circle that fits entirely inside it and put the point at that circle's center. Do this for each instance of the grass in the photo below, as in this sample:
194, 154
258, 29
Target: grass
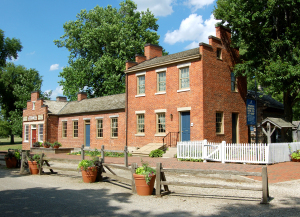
5, 143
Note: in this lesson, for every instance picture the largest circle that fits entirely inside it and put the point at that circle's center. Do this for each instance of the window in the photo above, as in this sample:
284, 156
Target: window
233, 82
140, 123
41, 137
114, 127
33, 105
100, 128
64, 129
219, 122
141, 84
161, 122
184, 78
75, 129
26, 133
219, 53
161, 81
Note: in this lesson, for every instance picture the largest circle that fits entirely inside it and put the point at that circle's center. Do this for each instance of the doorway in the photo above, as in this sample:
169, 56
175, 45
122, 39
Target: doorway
87, 134
33, 134
235, 128
185, 126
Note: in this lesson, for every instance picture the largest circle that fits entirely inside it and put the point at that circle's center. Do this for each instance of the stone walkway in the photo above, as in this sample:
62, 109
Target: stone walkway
280, 172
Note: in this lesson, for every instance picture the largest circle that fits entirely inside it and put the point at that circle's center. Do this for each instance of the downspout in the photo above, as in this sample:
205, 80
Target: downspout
126, 109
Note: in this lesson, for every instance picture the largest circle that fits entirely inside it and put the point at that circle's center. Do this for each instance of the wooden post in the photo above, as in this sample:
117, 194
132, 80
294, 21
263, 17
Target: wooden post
158, 179
265, 186
133, 168
82, 152
126, 156
23, 159
102, 153
41, 164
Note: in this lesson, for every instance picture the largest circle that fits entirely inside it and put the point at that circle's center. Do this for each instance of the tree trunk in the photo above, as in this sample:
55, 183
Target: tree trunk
12, 139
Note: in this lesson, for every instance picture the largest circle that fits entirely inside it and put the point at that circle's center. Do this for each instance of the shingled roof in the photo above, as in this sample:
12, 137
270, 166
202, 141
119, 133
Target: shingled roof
166, 59
105, 103
266, 100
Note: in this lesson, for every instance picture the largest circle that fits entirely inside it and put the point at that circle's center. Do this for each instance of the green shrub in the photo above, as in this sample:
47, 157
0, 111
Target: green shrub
156, 153
85, 164
190, 159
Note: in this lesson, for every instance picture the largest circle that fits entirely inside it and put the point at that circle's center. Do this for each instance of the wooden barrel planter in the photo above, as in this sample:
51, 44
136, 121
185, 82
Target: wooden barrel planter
89, 175
33, 167
142, 188
11, 162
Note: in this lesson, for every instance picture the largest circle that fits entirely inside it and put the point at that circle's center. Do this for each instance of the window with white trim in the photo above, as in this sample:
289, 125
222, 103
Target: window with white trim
64, 129
140, 123
41, 135
75, 129
184, 78
160, 122
26, 133
140, 84
161, 81
100, 128
219, 122
114, 127
33, 105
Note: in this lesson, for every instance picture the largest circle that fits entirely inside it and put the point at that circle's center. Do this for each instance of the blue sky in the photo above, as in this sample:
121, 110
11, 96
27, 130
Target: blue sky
182, 25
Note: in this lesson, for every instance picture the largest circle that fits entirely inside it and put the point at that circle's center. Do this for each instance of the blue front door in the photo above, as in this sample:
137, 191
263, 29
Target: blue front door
185, 126
87, 135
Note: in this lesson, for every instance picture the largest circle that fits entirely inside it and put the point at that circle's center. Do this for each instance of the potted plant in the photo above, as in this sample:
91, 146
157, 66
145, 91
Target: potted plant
11, 158
56, 145
46, 144
36, 144
144, 178
88, 170
295, 156
34, 163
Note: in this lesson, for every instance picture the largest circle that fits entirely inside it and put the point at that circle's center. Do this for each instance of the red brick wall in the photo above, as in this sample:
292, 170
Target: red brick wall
151, 51
107, 141
52, 128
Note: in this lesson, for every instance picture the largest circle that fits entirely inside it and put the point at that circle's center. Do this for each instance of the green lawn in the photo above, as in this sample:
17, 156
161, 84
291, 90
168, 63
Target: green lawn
5, 143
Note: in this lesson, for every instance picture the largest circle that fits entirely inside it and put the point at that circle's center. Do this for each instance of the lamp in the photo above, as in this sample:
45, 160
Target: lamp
171, 116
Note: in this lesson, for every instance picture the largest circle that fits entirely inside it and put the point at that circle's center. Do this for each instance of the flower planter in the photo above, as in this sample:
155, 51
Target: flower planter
56, 146
89, 175
141, 186
46, 146
33, 167
11, 162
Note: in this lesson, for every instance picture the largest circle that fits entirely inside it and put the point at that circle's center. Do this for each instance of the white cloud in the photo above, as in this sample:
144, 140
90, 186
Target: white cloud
15, 60
31, 53
157, 7
57, 92
54, 67
192, 29
197, 4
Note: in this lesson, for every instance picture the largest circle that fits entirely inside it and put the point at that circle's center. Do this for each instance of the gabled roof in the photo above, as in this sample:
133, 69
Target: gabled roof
105, 103
278, 122
165, 60
266, 100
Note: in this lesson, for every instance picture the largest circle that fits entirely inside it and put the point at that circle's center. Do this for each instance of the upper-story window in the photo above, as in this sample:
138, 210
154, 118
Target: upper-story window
140, 77
33, 105
184, 78
233, 82
161, 82
219, 53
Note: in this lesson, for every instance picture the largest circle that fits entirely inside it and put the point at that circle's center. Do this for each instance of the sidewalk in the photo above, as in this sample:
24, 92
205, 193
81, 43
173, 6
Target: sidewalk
281, 172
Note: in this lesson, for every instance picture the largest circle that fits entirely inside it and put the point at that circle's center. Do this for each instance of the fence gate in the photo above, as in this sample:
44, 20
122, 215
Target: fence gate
212, 151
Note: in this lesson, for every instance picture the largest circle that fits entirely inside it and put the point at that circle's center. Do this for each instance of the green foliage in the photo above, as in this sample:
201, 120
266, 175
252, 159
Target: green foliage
97, 153
36, 144
46, 144
36, 157
13, 153
145, 170
156, 153
86, 164
4, 128
268, 33
190, 159
100, 41
56, 143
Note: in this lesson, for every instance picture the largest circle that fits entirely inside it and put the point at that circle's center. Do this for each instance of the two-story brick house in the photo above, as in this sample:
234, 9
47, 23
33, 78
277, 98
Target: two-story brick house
193, 92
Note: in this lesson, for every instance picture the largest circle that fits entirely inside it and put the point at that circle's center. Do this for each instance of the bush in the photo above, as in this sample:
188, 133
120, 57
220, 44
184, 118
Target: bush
156, 153
190, 159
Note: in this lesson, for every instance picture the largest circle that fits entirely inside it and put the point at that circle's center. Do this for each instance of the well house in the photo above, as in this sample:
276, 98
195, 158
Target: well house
193, 94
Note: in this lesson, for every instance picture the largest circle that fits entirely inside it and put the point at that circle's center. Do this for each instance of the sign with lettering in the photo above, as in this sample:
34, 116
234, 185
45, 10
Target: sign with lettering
25, 118
40, 117
251, 115
32, 118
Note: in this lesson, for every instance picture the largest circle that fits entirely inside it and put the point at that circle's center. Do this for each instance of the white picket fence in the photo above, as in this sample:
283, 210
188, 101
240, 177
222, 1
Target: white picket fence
232, 152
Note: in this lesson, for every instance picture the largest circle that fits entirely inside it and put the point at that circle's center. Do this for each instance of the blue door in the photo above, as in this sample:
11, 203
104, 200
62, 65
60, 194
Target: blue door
185, 126
87, 135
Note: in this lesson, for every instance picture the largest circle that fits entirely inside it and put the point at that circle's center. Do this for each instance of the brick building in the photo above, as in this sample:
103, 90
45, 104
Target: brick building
192, 93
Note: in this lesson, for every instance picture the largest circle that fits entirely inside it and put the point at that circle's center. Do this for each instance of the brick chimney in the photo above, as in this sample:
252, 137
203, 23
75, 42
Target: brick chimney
223, 33
130, 64
151, 51
61, 99
139, 58
81, 96
34, 96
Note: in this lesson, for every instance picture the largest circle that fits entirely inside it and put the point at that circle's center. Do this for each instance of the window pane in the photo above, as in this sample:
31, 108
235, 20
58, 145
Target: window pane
114, 127
75, 125
219, 123
141, 84
161, 125
233, 82
41, 127
64, 129
141, 123
100, 128
162, 81
26, 132
184, 78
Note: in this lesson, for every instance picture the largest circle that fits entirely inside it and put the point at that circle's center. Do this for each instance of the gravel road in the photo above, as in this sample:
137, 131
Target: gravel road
64, 194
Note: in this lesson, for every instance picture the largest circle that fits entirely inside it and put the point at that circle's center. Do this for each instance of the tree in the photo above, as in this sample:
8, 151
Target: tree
100, 41
269, 32
16, 85
9, 48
